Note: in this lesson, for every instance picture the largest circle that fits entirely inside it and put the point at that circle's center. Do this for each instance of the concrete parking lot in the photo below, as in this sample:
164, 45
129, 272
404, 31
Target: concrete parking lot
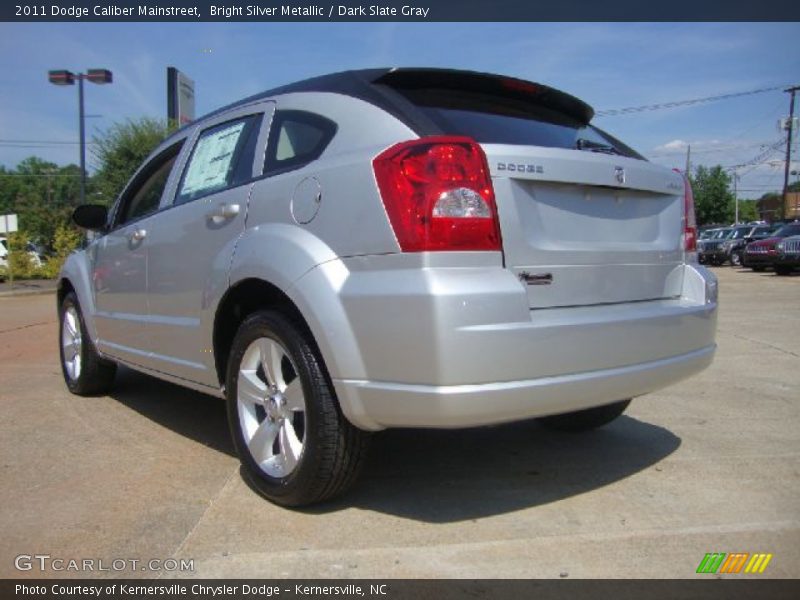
709, 465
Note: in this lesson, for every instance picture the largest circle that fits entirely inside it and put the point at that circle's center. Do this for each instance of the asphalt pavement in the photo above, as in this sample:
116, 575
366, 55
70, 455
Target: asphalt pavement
711, 464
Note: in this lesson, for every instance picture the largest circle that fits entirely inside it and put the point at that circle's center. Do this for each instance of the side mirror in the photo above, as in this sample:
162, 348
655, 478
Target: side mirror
90, 216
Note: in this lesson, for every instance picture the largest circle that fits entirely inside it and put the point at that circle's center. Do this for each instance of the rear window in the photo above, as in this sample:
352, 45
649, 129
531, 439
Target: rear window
492, 119
296, 138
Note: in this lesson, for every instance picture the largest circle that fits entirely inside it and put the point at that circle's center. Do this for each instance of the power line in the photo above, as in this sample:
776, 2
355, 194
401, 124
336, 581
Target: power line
721, 147
759, 159
36, 145
54, 175
2, 141
613, 112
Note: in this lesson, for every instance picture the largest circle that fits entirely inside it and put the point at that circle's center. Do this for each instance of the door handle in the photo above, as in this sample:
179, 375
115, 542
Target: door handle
223, 212
138, 235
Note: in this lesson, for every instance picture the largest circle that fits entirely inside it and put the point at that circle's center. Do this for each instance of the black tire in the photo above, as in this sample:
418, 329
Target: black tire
783, 270
585, 420
333, 450
95, 375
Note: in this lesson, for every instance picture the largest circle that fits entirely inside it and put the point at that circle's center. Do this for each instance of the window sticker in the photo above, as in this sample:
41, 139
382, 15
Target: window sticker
211, 160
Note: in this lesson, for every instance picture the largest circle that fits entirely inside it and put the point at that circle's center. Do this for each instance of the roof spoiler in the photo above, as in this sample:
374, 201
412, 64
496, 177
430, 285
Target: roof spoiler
487, 83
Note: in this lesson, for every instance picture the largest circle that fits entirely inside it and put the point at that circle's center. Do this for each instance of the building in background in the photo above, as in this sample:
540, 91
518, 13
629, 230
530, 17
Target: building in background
769, 207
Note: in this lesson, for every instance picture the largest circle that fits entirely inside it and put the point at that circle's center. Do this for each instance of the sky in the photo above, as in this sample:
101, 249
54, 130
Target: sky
609, 65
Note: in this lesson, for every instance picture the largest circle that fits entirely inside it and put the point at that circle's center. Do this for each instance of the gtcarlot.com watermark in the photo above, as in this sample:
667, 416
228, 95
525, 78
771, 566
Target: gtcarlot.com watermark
46, 562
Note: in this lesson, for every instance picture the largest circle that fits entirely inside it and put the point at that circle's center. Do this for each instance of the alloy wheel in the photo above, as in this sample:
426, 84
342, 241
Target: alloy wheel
72, 343
271, 407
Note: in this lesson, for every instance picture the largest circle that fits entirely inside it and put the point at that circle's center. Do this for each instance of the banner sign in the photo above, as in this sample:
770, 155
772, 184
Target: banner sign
180, 97
407, 10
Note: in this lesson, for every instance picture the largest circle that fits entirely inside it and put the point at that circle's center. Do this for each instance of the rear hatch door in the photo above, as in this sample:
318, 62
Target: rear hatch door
583, 228
584, 218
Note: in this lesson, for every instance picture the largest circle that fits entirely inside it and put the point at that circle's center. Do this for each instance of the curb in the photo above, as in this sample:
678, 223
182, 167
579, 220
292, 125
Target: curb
24, 292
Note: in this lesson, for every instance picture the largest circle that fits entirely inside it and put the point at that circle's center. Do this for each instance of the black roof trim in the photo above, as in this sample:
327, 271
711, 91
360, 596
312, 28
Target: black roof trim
501, 85
377, 86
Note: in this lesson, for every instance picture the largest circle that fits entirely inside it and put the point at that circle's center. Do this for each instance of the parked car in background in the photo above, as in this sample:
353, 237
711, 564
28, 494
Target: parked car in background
788, 255
37, 257
709, 250
706, 232
761, 255
737, 240
391, 248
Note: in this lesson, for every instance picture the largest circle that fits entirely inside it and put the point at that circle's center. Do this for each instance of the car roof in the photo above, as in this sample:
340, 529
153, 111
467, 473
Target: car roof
380, 87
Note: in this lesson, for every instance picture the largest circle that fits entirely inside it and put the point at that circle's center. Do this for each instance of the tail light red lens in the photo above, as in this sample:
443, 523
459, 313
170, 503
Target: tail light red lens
689, 220
438, 195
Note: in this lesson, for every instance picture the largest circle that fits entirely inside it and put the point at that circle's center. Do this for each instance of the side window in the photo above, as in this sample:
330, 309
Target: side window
144, 195
295, 139
222, 158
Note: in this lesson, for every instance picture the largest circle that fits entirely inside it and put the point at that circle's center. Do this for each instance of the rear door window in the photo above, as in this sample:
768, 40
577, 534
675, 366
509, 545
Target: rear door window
222, 158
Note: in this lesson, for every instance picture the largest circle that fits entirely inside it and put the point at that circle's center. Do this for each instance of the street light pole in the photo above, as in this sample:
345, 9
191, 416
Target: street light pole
82, 127
64, 77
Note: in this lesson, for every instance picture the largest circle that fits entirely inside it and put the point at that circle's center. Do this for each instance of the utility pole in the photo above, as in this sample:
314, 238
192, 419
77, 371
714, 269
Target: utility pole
792, 91
736, 196
688, 159
49, 174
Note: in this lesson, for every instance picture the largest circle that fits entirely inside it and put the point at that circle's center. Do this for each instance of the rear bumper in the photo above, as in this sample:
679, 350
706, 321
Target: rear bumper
406, 405
458, 347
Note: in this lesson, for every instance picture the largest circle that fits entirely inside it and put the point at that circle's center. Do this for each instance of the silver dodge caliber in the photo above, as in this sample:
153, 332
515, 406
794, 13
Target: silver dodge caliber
391, 248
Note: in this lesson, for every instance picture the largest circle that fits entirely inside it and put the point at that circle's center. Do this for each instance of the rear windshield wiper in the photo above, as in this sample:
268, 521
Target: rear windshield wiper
584, 144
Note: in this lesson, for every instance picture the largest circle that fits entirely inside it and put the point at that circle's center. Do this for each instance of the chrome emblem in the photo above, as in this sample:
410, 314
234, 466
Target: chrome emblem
536, 278
619, 174
520, 167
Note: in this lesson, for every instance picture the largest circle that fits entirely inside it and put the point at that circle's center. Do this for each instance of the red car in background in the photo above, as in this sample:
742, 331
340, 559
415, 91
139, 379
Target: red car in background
763, 253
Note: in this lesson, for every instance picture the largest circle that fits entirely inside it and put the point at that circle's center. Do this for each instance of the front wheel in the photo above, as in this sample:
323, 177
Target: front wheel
296, 446
585, 420
783, 270
85, 372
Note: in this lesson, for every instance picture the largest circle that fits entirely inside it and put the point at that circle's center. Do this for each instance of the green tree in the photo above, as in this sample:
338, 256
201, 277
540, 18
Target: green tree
770, 204
748, 211
41, 193
19, 261
66, 239
120, 151
713, 199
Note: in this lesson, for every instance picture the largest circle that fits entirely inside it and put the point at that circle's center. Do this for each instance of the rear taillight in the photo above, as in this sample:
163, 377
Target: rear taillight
689, 221
438, 195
